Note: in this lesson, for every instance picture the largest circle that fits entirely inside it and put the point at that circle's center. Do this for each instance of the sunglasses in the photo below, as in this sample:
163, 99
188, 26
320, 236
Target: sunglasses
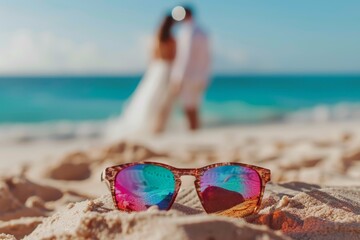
227, 189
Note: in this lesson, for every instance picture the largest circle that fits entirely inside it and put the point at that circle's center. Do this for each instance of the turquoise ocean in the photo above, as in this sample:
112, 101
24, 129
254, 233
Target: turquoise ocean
64, 101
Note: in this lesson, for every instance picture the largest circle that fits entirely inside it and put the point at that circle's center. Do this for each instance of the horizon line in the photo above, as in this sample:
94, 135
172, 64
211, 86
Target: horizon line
212, 75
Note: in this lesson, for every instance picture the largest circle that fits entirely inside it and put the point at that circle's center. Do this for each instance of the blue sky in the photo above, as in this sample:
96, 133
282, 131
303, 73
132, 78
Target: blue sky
113, 37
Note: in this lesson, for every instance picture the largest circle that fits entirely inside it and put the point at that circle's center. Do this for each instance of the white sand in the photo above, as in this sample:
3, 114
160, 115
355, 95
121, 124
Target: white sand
315, 192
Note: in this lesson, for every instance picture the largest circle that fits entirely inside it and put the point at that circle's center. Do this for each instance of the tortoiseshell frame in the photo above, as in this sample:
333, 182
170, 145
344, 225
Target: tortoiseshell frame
109, 175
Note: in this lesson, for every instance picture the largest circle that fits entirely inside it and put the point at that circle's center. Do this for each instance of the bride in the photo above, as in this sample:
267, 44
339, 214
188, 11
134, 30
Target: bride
143, 112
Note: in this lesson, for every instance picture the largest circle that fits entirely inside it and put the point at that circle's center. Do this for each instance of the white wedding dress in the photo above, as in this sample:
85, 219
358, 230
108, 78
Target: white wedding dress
145, 103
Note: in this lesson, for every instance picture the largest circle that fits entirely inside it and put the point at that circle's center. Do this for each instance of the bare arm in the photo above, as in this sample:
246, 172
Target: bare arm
155, 49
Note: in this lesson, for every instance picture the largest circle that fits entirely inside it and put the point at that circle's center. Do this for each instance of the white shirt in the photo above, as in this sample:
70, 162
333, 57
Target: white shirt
192, 62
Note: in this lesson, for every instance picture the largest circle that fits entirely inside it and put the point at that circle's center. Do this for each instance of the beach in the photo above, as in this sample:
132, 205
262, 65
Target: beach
51, 189
182, 121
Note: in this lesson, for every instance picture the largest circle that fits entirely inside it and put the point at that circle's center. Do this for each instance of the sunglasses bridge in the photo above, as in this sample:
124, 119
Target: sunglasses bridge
179, 172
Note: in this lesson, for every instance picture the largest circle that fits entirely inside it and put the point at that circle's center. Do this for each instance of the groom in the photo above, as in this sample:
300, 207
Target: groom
191, 69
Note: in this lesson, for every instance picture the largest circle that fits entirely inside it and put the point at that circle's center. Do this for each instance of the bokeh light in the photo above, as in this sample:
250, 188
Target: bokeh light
178, 13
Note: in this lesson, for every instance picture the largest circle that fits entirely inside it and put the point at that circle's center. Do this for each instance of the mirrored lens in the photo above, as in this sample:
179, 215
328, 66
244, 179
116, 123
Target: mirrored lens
230, 190
143, 185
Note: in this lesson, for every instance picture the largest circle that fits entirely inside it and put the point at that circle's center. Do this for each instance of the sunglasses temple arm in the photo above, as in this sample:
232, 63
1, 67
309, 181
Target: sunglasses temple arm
103, 179
266, 175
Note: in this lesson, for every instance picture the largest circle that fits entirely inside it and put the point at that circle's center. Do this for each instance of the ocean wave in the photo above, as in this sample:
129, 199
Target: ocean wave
239, 112
214, 115
57, 131
326, 113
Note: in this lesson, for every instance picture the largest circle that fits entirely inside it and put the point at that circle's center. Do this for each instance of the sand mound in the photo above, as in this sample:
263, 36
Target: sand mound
4, 236
23, 198
128, 152
18, 228
74, 166
299, 210
23, 188
97, 220
78, 166
307, 211
24, 204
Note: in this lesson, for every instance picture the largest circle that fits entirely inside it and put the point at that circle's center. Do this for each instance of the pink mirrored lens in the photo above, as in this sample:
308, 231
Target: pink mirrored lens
143, 185
230, 190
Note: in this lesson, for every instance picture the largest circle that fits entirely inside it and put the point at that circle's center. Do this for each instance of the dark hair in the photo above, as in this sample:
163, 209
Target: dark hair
165, 28
189, 11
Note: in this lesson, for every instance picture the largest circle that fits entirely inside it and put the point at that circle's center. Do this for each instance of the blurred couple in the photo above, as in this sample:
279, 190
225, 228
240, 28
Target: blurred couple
179, 68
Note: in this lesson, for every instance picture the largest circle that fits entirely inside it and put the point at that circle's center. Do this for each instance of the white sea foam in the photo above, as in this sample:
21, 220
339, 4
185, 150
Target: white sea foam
231, 113
326, 113
57, 131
